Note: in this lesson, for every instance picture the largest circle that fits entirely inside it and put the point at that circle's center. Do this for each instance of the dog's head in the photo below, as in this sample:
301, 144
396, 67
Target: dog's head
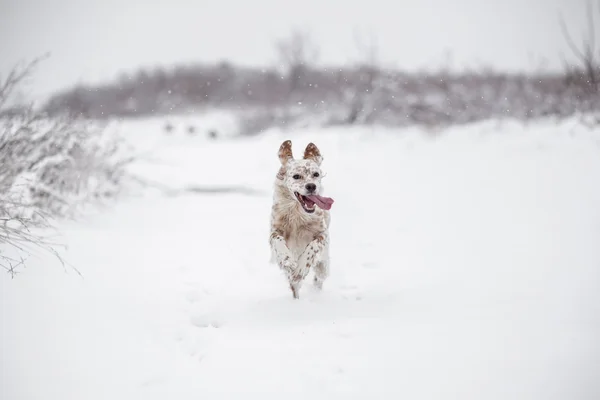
302, 178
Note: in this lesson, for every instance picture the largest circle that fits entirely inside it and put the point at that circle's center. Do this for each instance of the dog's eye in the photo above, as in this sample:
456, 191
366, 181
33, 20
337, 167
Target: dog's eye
296, 176
316, 174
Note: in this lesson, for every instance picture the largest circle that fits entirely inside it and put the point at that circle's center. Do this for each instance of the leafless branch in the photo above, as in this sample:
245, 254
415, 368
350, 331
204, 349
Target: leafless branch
49, 168
361, 99
295, 54
17, 76
587, 52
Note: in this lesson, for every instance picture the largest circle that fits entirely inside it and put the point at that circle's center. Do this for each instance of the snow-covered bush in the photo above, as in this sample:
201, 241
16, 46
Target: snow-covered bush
50, 168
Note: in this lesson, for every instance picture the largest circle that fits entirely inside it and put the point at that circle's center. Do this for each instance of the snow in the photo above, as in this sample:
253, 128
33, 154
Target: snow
465, 265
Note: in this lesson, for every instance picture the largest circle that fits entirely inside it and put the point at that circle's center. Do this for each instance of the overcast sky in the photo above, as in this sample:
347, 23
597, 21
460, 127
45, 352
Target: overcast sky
91, 40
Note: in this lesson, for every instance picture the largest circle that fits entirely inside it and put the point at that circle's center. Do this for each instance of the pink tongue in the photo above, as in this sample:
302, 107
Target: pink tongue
324, 203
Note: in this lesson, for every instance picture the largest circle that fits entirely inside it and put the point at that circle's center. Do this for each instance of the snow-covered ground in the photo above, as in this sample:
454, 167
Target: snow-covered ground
465, 265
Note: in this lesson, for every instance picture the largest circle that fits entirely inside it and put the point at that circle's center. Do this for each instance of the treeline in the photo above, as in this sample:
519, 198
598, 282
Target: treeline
352, 95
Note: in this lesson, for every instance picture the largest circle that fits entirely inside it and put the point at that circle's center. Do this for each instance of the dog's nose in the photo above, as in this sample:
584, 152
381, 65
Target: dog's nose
311, 187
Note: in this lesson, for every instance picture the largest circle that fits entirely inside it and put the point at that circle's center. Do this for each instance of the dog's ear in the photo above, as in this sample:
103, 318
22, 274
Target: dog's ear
285, 152
313, 153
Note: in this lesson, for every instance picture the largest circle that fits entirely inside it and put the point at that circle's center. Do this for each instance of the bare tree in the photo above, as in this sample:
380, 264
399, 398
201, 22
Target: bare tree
50, 167
362, 98
588, 53
296, 54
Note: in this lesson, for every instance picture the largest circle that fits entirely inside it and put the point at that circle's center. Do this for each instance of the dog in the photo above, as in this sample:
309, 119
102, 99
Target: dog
300, 218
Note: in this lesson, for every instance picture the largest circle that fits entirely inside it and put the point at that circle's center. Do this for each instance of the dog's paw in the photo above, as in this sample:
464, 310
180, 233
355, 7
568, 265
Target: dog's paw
288, 265
299, 273
295, 290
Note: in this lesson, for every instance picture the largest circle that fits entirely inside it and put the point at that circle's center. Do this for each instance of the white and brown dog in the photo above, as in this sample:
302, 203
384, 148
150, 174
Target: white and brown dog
300, 218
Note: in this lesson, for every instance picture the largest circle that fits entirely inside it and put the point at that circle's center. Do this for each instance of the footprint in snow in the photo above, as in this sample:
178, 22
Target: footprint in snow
193, 296
153, 381
351, 292
206, 321
344, 334
370, 265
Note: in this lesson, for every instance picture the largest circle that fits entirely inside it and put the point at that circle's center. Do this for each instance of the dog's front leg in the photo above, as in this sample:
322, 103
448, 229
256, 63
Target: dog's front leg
283, 255
310, 258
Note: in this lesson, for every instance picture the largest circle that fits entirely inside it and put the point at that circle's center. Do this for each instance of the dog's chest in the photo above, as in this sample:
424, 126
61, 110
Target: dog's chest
297, 243
297, 228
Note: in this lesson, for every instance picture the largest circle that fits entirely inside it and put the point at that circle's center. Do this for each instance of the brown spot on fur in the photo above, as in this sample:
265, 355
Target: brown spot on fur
285, 152
320, 238
275, 235
312, 153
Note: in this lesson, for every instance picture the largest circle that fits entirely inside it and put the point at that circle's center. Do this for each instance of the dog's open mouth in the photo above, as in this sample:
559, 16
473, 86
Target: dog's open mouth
309, 202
